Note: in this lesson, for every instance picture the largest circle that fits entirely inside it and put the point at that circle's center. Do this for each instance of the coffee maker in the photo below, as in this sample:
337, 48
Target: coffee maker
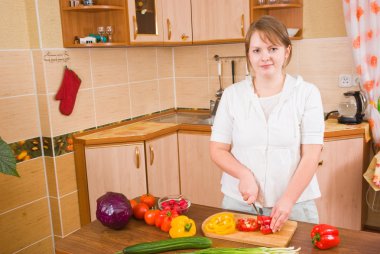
352, 107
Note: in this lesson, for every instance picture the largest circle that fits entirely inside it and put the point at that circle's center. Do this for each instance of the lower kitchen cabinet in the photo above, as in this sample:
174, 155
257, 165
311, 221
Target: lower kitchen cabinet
162, 165
340, 181
117, 168
200, 177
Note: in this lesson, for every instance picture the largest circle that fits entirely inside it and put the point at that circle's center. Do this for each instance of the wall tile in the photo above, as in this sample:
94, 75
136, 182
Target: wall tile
109, 66
144, 98
19, 118
70, 213
16, 73
55, 216
15, 32
166, 92
112, 104
165, 62
66, 174
44, 115
79, 62
81, 118
50, 22
51, 176
192, 92
44, 246
214, 84
39, 71
17, 191
24, 226
191, 61
142, 64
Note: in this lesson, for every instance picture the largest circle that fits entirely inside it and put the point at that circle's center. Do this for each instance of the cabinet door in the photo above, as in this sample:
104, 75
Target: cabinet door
145, 21
340, 181
177, 21
200, 177
162, 165
219, 20
115, 168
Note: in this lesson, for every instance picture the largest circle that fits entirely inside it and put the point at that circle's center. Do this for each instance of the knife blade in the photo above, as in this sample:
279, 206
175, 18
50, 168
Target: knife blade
258, 211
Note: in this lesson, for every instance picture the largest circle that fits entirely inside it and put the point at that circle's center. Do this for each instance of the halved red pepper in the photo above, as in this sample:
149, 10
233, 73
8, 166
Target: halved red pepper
264, 222
247, 224
325, 236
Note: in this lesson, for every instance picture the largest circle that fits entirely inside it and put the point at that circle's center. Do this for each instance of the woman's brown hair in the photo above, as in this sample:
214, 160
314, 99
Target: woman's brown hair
270, 29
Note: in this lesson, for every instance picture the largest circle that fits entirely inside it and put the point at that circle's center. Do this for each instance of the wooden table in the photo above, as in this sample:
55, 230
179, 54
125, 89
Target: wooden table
94, 238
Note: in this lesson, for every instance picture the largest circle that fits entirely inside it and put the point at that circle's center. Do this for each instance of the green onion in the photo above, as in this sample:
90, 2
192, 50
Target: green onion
258, 250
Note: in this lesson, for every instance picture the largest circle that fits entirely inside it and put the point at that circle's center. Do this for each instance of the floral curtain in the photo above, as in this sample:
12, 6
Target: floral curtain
362, 18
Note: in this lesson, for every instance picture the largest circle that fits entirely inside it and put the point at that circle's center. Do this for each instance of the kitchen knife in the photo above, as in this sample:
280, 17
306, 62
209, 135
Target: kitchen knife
258, 211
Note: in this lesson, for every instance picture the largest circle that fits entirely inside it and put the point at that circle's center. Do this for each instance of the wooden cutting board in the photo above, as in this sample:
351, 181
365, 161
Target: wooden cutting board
278, 239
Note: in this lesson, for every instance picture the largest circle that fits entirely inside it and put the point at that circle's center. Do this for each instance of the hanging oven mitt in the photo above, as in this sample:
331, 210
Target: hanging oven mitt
67, 93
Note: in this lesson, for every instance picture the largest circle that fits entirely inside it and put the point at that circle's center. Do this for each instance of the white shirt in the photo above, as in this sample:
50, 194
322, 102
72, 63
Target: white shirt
268, 104
269, 148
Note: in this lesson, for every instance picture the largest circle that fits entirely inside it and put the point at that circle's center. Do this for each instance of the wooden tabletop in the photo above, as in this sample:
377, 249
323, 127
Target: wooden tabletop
95, 238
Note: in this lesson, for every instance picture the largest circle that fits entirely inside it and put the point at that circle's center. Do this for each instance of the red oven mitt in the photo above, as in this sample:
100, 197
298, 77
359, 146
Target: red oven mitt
67, 93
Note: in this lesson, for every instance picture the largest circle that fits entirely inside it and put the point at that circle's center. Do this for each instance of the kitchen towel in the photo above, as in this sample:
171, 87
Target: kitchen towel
372, 175
67, 92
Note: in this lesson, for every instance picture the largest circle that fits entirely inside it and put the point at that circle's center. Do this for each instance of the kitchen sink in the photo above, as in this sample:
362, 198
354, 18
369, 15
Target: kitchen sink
185, 118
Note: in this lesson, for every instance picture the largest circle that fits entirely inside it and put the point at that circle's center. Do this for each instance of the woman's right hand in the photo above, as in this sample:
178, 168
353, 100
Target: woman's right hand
248, 187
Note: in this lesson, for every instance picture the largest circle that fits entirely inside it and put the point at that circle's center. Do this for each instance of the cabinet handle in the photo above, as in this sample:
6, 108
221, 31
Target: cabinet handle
151, 154
135, 28
184, 37
169, 29
242, 25
320, 163
137, 153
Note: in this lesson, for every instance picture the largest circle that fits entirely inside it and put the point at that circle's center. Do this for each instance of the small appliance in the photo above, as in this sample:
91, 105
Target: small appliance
352, 107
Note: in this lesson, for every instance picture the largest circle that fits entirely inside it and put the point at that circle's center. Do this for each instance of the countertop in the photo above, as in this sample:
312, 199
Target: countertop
192, 121
95, 238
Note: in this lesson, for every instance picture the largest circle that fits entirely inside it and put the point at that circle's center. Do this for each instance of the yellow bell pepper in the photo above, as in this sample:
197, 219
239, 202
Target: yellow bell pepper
221, 224
182, 226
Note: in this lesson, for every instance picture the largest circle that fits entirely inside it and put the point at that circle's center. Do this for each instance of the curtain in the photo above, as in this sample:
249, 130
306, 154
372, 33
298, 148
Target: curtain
362, 18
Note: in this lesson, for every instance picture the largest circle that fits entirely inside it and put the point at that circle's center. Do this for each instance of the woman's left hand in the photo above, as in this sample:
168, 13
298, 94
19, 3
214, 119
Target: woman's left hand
280, 214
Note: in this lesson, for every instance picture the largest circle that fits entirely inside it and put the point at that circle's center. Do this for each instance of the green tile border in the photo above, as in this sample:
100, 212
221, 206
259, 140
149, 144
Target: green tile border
62, 144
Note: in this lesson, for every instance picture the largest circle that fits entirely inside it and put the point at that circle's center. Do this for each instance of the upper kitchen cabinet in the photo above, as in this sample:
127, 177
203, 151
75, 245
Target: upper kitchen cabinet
290, 12
219, 21
159, 22
82, 20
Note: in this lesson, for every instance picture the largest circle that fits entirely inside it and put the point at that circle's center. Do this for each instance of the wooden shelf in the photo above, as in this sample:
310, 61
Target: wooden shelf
94, 8
276, 6
97, 45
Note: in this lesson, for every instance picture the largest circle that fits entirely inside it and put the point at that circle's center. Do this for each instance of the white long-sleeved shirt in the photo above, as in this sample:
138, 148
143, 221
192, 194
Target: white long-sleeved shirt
269, 148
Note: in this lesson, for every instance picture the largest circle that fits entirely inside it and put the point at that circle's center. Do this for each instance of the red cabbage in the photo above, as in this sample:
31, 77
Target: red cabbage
113, 210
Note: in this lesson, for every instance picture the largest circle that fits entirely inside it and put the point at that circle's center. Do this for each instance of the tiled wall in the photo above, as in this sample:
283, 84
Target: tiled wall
117, 84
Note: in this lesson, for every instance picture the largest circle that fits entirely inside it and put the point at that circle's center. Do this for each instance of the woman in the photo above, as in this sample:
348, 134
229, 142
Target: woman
268, 133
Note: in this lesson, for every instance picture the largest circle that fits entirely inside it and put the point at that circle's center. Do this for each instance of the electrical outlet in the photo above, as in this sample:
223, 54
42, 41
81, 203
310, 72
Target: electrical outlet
345, 80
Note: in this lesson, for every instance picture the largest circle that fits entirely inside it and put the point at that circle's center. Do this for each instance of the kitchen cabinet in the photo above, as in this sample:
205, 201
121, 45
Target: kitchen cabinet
159, 22
162, 165
200, 177
219, 21
80, 21
289, 12
340, 181
117, 168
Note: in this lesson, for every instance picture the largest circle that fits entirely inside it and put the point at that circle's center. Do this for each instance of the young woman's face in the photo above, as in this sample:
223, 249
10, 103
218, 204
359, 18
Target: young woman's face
266, 58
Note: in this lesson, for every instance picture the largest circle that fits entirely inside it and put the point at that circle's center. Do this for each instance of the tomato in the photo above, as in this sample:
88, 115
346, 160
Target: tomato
150, 216
139, 210
148, 199
133, 203
247, 224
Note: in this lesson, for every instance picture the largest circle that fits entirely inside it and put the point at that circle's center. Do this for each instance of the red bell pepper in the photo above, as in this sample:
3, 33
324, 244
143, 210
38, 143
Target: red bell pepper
264, 222
247, 224
325, 236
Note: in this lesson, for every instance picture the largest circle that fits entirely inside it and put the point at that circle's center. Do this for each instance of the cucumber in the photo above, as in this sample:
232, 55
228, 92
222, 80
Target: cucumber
181, 243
